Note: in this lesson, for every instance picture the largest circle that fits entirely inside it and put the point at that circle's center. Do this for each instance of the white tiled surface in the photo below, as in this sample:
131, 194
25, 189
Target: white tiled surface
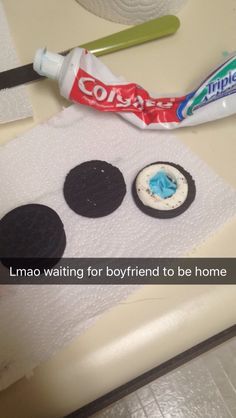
203, 388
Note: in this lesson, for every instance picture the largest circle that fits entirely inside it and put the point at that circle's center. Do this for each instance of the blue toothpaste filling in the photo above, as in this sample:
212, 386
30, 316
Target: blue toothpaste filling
161, 185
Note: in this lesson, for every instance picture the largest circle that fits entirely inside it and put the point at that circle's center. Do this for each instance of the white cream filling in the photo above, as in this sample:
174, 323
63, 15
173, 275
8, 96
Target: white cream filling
153, 200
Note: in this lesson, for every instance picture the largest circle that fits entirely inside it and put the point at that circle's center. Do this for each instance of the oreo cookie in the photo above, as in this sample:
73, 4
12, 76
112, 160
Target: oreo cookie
94, 189
163, 190
31, 236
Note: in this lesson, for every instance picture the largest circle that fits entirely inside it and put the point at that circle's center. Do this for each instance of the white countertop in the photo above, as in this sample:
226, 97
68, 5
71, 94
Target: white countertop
158, 322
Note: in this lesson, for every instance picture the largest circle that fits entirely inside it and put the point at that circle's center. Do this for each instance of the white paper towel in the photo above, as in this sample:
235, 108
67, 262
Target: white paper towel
36, 321
14, 102
132, 12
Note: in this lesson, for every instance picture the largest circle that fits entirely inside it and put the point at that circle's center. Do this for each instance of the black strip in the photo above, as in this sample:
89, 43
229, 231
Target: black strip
21, 75
177, 361
17, 76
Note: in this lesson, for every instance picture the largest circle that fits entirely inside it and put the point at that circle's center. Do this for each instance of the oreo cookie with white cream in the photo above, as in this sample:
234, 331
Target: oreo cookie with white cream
163, 190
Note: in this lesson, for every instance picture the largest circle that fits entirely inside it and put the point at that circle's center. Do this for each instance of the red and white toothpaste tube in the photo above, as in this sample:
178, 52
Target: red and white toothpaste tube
84, 79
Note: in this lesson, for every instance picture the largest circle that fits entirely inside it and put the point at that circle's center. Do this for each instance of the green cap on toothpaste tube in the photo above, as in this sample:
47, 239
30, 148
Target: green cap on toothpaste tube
84, 79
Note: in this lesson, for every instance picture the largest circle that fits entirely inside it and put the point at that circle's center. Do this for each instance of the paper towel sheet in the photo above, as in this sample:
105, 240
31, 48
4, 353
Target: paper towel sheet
36, 321
14, 102
130, 12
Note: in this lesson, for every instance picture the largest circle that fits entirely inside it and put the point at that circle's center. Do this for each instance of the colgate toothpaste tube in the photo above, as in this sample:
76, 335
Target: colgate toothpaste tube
84, 79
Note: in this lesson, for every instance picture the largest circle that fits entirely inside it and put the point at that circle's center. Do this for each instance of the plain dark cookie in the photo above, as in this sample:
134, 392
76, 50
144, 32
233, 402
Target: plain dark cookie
94, 189
31, 232
171, 213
